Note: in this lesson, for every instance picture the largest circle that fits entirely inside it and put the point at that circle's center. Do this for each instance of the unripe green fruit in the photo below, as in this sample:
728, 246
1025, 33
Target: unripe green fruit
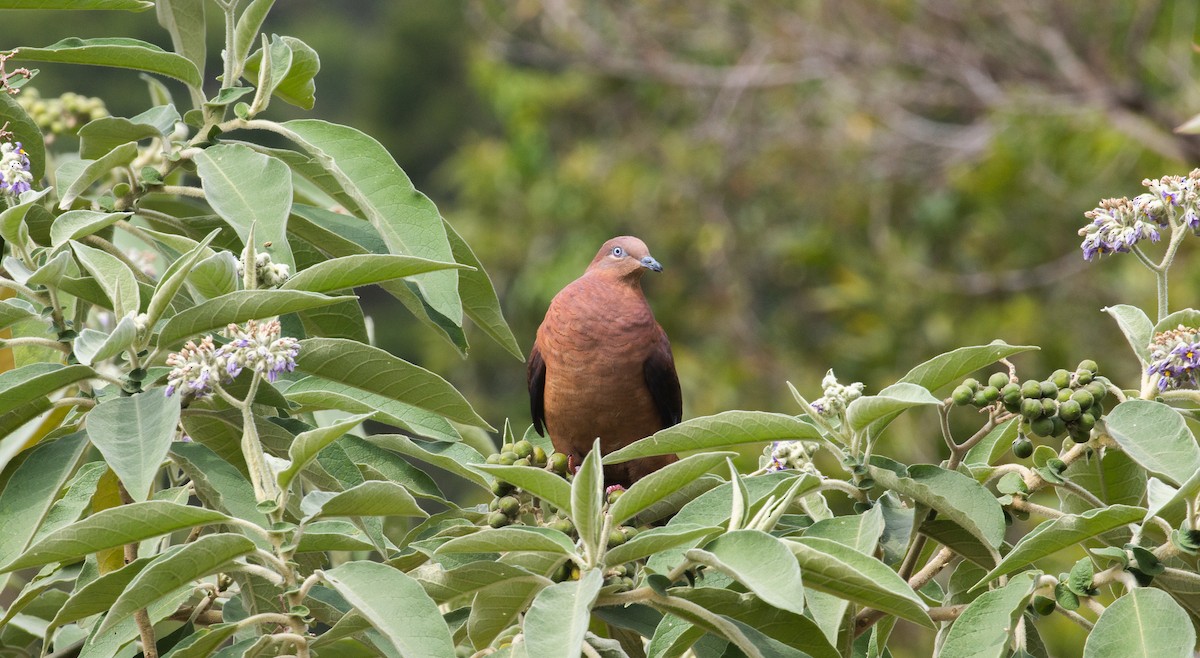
1086, 421
1083, 377
1014, 406
1049, 407
498, 519
508, 447
1031, 389
1043, 605
1011, 391
615, 538
1060, 427
494, 504
1083, 398
1022, 448
524, 461
998, 379
1049, 390
502, 488
1043, 426
1088, 364
493, 458
508, 457
523, 448
971, 383
980, 398
629, 531
962, 395
1097, 409
558, 463
563, 525
539, 456
1061, 378
1070, 410
990, 393
1079, 435
509, 506
614, 495
1064, 394
1098, 390
1031, 408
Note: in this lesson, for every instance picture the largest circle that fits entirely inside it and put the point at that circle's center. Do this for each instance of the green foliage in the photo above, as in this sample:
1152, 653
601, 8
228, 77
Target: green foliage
184, 463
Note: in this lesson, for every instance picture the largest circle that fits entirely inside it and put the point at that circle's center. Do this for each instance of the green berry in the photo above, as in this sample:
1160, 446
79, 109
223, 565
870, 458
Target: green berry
563, 525
1064, 394
1098, 390
558, 463
1086, 421
524, 461
1083, 398
615, 538
1070, 410
1061, 378
980, 398
998, 379
614, 495
1049, 390
508, 447
962, 395
971, 383
990, 393
629, 531
1031, 408
508, 457
539, 456
523, 448
498, 519
1088, 364
493, 458
502, 488
1031, 389
1011, 393
1049, 407
1043, 605
1042, 426
509, 505
1078, 434
1022, 448
1060, 427
1083, 377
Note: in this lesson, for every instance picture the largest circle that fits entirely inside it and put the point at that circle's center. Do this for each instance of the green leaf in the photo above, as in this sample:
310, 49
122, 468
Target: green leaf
118, 52
760, 562
371, 498
663, 482
543, 484
1138, 329
376, 371
98, 595
1111, 476
445, 585
249, 190
790, 629
587, 499
862, 533
1056, 534
1188, 317
319, 393
407, 220
654, 540
307, 444
361, 270
11, 218
76, 497
113, 527
333, 535
27, 383
75, 224
558, 619
457, 458
956, 497
985, 628
15, 310
511, 538
479, 295
204, 642
193, 561
268, 66
238, 307
994, 445
248, 25
92, 346
114, 277
294, 65
173, 279
726, 429
23, 128
1145, 622
1156, 437
396, 606
100, 136
828, 567
218, 484
943, 370
214, 276
184, 20
28, 496
124, 5
134, 434
887, 404
74, 178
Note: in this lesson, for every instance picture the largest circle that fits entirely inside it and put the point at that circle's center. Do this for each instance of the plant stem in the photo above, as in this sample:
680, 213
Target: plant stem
140, 616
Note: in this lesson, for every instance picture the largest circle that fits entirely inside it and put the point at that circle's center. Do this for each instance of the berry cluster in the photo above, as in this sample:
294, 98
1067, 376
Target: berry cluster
1064, 404
62, 115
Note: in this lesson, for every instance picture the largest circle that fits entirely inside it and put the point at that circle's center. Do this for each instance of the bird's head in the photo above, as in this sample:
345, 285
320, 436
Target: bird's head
625, 257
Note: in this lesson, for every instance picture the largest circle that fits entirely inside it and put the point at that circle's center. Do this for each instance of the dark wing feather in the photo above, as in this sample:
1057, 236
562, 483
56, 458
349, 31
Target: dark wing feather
663, 382
536, 374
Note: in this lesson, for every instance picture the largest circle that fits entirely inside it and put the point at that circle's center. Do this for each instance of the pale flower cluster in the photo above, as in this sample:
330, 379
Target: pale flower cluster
258, 346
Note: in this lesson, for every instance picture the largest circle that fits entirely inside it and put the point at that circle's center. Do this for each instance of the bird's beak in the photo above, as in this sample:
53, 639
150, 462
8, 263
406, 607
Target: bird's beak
649, 262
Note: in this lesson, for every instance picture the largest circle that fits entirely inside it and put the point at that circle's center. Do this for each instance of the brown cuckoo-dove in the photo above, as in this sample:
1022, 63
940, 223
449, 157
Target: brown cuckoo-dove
601, 365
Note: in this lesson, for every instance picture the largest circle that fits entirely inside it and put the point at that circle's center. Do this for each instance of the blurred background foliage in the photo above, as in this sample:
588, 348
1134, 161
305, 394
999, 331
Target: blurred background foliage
858, 185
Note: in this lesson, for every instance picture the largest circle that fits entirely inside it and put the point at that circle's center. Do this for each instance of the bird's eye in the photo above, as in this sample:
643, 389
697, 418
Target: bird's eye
618, 252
